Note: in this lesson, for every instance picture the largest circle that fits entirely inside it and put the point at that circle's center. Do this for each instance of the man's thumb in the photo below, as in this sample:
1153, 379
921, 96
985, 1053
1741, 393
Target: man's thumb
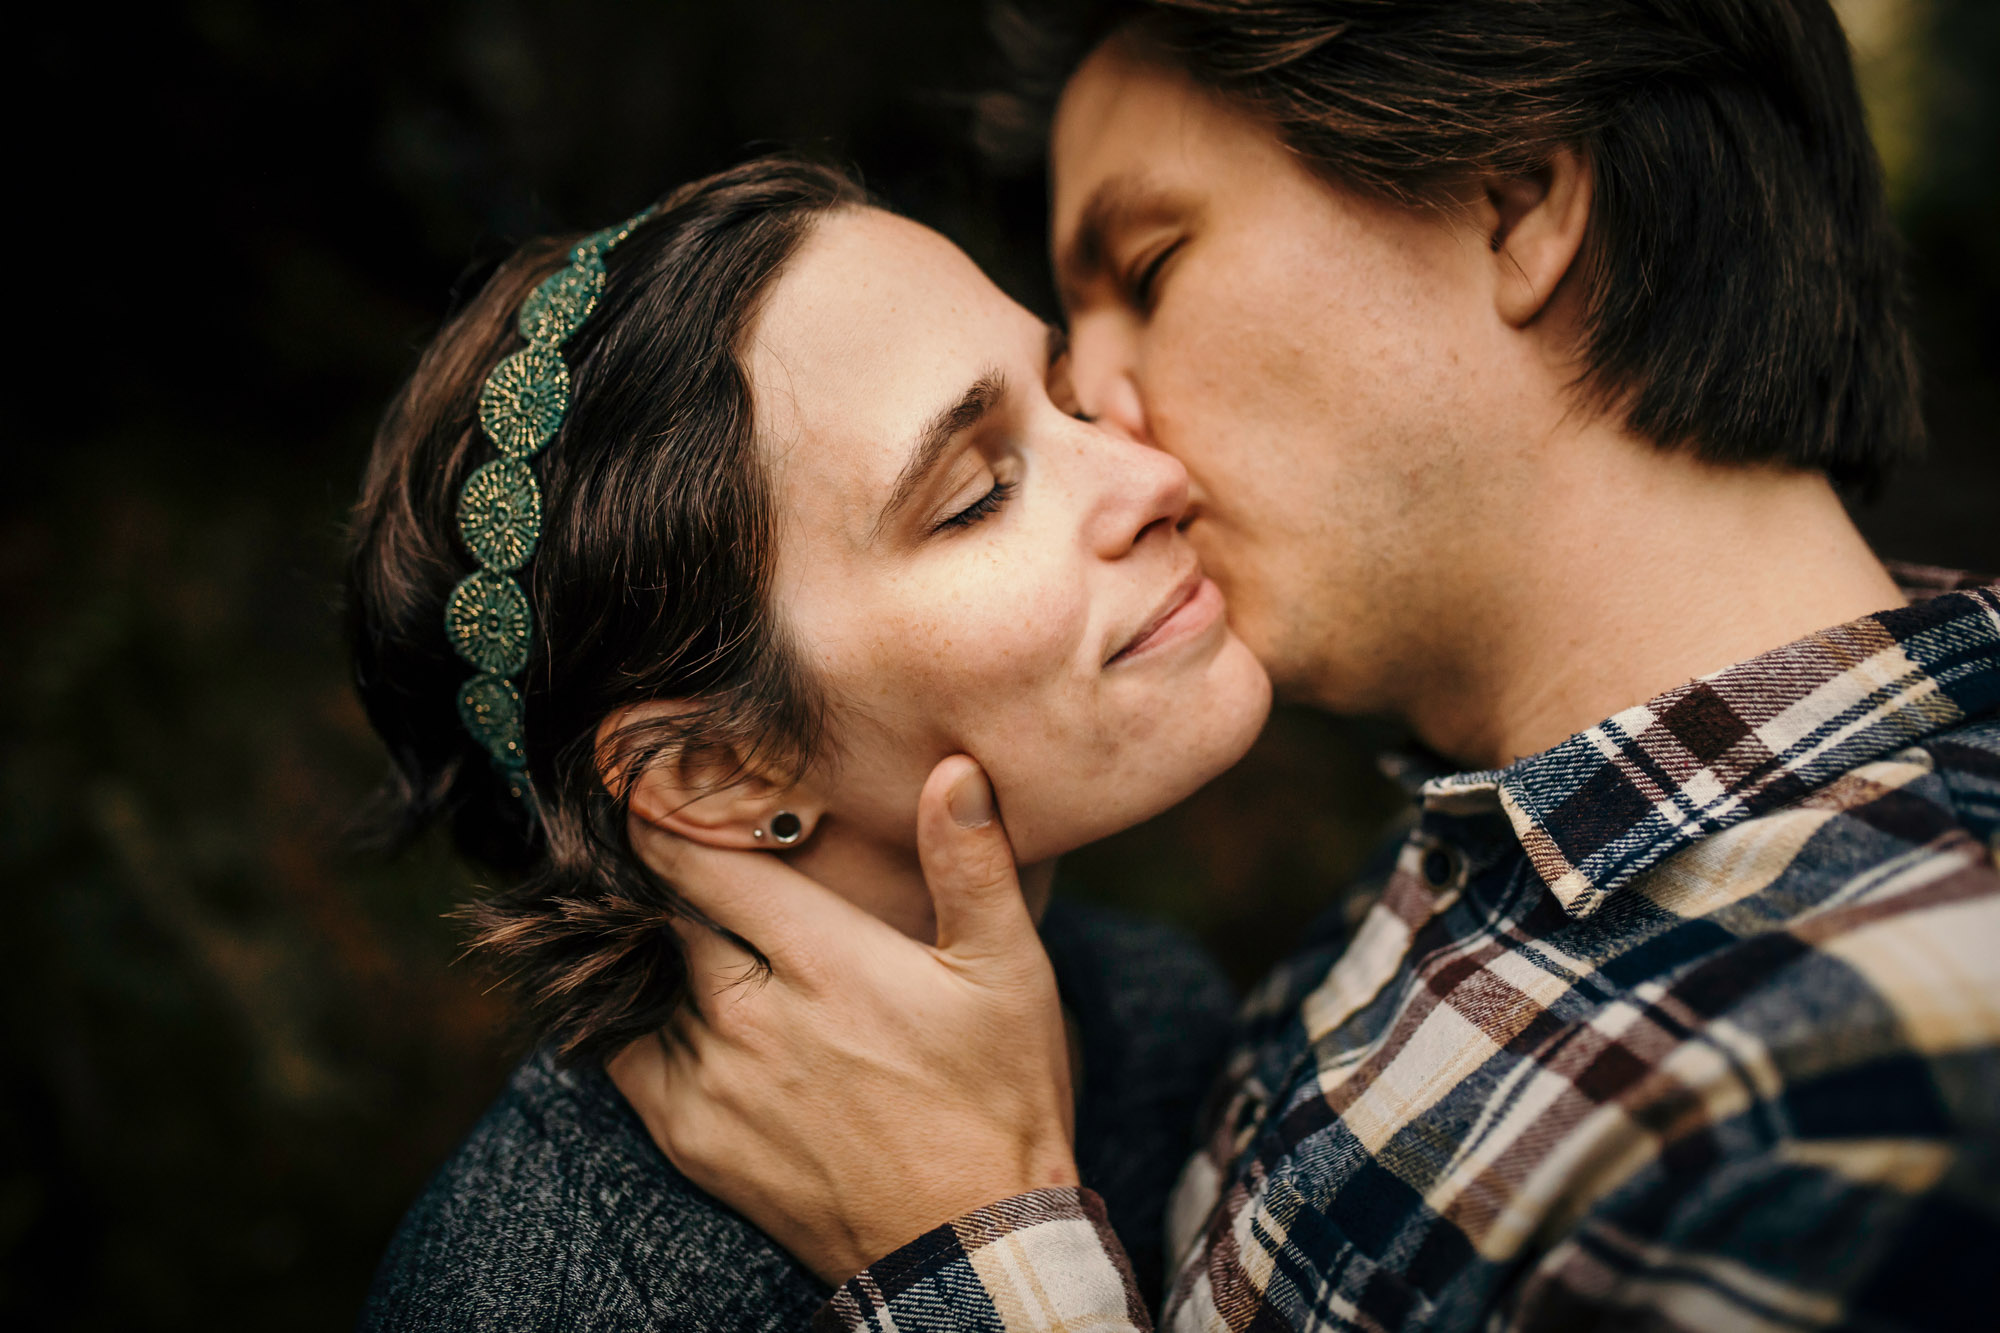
968, 862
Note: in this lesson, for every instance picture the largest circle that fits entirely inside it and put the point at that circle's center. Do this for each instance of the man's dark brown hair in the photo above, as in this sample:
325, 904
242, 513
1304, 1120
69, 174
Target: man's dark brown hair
1745, 288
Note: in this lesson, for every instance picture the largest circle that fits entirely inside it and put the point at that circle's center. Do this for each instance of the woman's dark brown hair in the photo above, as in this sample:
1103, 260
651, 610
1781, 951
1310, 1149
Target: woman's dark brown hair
1746, 295
650, 583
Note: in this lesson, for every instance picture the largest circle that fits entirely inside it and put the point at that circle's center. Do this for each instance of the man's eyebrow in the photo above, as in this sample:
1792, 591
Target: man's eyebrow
934, 440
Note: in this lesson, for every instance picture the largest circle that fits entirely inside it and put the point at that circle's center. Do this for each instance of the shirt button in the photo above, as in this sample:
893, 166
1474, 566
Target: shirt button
1440, 867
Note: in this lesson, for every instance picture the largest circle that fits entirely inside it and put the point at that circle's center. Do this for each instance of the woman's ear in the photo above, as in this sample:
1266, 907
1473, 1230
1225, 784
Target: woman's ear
712, 796
1535, 226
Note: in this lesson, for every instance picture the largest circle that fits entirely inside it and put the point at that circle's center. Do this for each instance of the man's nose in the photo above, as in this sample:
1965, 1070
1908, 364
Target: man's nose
1103, 373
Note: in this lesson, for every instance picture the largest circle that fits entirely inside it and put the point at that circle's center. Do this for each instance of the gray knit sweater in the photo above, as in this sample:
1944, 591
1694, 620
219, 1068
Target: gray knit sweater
557, 1212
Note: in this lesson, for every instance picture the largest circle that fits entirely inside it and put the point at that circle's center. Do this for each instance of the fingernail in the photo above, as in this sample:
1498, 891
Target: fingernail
971, 800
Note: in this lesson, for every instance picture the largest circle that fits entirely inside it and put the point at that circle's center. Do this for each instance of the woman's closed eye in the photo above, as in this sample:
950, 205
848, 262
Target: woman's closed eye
984, 507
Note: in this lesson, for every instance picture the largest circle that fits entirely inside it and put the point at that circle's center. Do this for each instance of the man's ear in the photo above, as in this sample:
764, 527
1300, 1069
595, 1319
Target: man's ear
710, 795
1535, 226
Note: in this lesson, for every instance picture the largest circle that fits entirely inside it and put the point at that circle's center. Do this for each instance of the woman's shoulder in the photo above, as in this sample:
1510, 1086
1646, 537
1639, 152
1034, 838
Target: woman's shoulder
1141, 978
558, 1211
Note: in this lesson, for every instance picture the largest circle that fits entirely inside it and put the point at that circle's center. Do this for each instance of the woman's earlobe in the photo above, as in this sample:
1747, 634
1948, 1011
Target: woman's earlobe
785, 829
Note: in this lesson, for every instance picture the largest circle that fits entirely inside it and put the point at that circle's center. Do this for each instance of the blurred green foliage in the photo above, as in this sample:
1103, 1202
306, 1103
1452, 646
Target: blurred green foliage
233, 1046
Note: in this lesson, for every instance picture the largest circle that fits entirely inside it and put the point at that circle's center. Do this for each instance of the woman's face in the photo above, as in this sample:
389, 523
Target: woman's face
966, 567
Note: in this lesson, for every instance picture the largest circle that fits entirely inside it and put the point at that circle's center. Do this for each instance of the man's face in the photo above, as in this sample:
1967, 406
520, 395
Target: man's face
1331, 370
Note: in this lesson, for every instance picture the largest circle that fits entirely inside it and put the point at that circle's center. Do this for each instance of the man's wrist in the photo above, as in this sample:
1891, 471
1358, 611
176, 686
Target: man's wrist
939, 1269
1055, 1177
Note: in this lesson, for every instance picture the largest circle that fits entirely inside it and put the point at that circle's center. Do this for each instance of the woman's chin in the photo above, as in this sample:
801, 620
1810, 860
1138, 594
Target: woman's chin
1249, 689
1224, 723
1217, 728
1231, 714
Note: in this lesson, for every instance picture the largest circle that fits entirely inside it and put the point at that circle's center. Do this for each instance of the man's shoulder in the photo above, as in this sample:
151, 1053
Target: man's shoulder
1968, 765
1874, 836
1889, 847
1826, 968
557, 1210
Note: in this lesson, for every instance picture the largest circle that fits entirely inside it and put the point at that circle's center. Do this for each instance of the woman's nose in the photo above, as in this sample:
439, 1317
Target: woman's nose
1102, 374
1141, 490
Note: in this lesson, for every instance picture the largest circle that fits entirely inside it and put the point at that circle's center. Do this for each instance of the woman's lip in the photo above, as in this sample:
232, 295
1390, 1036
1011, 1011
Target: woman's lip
1188, 610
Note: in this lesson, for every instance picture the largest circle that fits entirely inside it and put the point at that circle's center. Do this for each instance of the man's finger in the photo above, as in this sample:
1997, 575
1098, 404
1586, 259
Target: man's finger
642, 1071
969, 863
654, 1074
790, 919
715, 963
752, 893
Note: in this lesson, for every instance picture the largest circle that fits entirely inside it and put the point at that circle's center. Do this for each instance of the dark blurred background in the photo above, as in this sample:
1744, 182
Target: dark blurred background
232, 1047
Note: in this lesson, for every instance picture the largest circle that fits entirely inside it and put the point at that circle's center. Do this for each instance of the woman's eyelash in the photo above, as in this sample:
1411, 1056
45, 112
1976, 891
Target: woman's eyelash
984, 507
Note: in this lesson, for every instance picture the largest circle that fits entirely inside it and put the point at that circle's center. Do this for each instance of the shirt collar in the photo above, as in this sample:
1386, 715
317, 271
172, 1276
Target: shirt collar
1618, 798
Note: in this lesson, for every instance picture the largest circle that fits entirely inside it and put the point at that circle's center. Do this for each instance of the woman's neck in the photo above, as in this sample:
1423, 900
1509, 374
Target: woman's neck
887, 881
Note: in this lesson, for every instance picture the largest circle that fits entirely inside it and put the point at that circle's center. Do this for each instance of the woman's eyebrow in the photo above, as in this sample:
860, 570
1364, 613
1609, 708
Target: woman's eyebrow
932, 442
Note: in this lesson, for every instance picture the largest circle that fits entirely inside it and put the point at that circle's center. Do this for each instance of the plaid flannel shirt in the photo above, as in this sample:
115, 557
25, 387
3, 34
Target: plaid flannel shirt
1691, 1022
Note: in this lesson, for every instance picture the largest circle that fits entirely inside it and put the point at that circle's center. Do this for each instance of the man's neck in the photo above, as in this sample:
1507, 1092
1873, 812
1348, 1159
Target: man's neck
1641, 575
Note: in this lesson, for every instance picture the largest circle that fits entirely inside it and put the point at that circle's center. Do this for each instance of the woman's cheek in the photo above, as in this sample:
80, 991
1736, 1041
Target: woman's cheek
990, 659
980, 653
1023, 634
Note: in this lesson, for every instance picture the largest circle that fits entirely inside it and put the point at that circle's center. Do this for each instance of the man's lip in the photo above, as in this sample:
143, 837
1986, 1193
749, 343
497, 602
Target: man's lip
1182, 594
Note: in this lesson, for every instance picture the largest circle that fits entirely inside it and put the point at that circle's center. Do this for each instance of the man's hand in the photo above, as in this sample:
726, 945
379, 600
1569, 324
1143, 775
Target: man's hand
873, 1087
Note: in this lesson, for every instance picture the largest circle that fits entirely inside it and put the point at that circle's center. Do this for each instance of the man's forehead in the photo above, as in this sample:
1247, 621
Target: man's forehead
1122, 80
1125, 105
1123, 150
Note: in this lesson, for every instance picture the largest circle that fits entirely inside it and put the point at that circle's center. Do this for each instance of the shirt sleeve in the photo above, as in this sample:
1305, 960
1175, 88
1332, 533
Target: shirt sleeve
1045, 1260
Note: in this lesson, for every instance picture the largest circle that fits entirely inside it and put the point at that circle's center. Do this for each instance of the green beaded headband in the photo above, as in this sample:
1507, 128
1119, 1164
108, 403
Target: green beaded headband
521, 406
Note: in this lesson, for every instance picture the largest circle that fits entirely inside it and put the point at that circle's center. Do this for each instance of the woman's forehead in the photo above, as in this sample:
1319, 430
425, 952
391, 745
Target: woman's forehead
875, 321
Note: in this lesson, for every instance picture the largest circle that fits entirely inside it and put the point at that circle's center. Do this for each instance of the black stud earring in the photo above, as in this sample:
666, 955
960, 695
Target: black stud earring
786, 828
